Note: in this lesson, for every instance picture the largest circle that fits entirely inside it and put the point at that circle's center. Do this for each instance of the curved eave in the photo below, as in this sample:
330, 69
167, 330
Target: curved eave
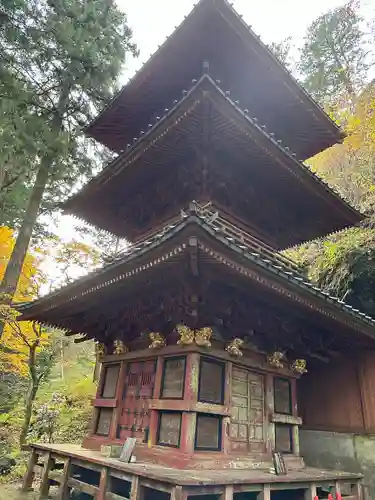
90, 196
174, 241
168, 57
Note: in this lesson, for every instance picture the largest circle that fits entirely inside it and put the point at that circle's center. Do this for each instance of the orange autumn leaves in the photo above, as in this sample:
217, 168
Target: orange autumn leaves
349, 166
16, 336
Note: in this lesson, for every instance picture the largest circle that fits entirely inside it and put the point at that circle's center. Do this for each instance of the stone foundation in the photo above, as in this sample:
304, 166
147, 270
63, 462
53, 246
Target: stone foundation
341, 451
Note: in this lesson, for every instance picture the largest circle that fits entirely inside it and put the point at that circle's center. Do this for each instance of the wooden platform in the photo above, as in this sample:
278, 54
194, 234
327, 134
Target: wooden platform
112, 479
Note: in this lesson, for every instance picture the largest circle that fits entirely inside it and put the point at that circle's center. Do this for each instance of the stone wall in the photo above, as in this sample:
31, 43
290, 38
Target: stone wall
341, 451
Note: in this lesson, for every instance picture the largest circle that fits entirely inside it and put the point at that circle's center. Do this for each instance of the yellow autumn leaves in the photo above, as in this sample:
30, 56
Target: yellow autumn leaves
14, 347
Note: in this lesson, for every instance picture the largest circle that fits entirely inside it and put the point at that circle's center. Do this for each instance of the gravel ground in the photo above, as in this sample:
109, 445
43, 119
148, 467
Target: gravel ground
12, 492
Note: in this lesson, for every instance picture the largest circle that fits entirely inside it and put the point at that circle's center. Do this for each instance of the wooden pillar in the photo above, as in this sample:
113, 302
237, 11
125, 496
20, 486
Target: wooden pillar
357, 490
265, 494
29, 475
102, 493
135, 489
310, 493
153, 425
270, 408
295, 435
228, 493
45, 482
337, 488
192, 378
295, 440
177, 493
118, 396
188, 427
63, 493
225, 434
188, 424
158, 378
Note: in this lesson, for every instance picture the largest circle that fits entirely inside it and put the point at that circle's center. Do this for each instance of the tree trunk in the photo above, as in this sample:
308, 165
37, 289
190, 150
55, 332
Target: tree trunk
14, 268
13, 271
30, 398
31, 395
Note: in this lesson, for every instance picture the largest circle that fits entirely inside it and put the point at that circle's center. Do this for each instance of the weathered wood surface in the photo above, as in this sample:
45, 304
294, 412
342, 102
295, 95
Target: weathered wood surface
197, 477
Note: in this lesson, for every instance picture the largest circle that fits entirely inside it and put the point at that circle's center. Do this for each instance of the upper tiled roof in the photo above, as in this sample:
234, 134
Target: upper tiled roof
214, 33
319, 207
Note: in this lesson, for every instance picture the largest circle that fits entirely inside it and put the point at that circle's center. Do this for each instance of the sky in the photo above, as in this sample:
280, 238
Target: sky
153, 20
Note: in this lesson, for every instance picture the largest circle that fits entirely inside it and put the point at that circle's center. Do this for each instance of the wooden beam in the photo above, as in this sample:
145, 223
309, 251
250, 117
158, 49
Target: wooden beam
228, 493
357, 490
265, 494
310, 492
63, 493
135, 488
103, 484
83, 487
29, 475
177, 493
45, 482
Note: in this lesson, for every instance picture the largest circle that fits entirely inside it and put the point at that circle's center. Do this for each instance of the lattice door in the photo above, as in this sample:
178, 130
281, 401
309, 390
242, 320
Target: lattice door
247, 422
139, 384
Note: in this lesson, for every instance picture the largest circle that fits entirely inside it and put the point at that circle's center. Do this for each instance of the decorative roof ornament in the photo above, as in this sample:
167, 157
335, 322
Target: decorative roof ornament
157, 340
186, 335
201, 337
299, 366
276, 359
100, 349
119, 348
233, 348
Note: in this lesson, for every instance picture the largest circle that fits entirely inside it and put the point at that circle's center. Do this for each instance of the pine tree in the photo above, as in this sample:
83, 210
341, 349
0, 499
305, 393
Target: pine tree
333, 61
66, 55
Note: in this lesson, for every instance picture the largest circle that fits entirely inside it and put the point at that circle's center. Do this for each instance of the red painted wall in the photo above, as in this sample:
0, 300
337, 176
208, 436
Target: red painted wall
340, 395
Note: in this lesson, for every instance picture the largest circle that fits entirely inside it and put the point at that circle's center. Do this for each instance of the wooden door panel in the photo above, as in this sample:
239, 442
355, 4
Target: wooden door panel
248, 416
138, 390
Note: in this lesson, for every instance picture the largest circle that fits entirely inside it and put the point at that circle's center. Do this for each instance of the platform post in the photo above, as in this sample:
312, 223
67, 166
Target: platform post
135, 489
228, 493
265, 494
357, 490
29, 475
103, 484
310, 493
176, 493
45, 481
63, 493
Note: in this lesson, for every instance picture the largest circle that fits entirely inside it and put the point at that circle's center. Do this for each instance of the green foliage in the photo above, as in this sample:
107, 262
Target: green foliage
282, 51
60, 63
343, 265
71, 379
333, 60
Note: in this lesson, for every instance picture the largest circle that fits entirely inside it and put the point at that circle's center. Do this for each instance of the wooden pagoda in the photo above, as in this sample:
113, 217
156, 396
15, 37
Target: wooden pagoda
203, 327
